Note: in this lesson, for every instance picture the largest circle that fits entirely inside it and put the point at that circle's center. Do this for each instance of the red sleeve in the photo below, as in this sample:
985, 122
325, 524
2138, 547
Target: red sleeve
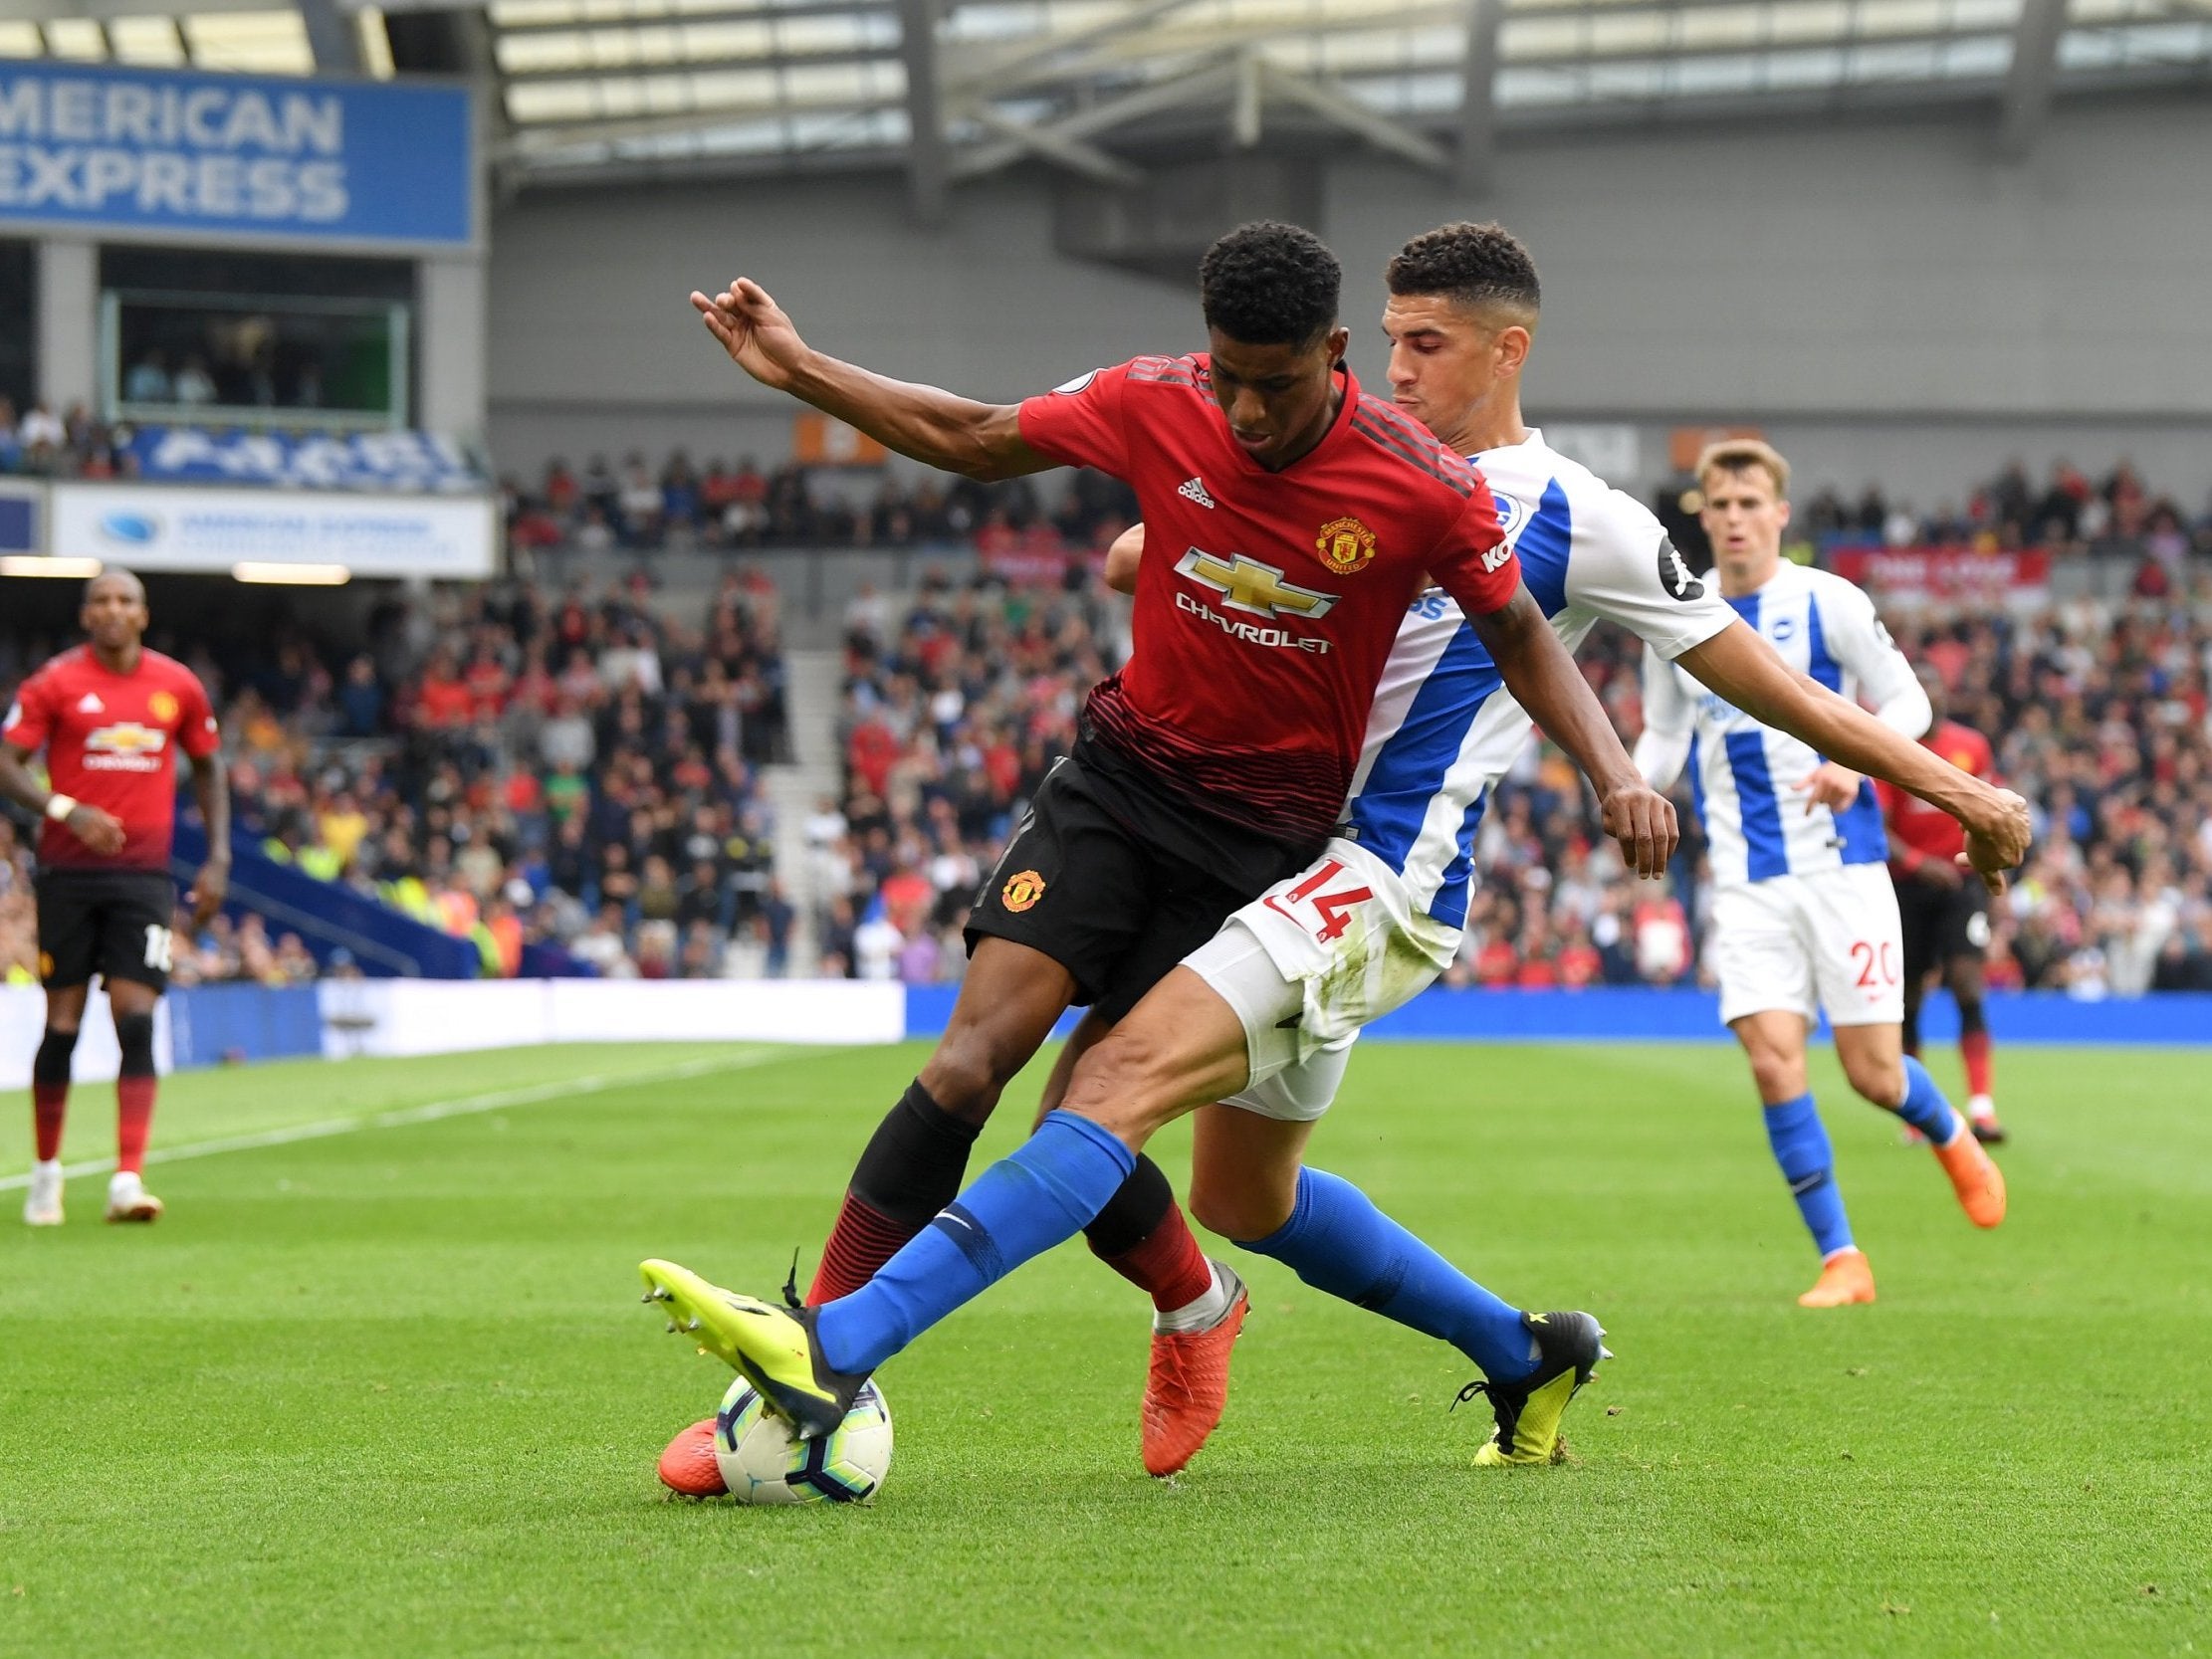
29, 716
196, 728
1472, 564
1080, 423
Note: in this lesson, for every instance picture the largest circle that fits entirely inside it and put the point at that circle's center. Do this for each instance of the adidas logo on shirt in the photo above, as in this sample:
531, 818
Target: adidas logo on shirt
90, 703
1194, 488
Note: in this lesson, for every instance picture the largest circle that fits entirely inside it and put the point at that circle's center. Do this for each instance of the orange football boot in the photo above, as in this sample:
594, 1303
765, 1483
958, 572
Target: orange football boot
1975, 1177
1845, 1278
1188, 1387
688, 1463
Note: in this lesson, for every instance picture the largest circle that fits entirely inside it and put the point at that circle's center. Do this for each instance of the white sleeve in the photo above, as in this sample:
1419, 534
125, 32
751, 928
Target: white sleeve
1857, 640
1625, 569
1668, 721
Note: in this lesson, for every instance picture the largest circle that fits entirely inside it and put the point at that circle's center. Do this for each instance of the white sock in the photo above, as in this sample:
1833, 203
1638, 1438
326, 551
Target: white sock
1206, 1311
1981, 1107
45, 1166
123, 1181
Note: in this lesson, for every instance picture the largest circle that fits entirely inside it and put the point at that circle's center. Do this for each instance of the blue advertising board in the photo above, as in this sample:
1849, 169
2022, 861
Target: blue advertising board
423, 462
177, 151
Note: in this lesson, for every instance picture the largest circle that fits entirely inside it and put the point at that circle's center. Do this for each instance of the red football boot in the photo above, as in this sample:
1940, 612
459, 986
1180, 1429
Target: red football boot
688, 1463
1188, 1387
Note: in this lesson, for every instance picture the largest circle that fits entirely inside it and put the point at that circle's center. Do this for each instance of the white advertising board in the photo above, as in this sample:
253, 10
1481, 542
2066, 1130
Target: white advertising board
96, 1060
442, 1016
185, 527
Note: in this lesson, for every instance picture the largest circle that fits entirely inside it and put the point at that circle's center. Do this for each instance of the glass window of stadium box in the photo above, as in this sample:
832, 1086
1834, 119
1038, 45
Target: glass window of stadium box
256, 339
18, 322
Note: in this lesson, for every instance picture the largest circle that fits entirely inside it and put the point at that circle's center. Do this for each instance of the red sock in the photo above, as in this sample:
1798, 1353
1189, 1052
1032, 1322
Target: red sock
1973, 1048
48, 1106
1169, 1265
863, 1241
133, 1122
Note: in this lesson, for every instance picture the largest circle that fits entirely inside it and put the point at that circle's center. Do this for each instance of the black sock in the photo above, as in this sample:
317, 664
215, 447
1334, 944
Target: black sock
1138, 1206
916, 1159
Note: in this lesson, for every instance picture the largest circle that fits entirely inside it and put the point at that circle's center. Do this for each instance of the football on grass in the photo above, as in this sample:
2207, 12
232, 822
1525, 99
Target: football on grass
763, 1462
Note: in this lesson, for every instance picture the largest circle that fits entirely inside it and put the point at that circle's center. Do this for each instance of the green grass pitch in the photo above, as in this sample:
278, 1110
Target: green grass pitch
390, 1390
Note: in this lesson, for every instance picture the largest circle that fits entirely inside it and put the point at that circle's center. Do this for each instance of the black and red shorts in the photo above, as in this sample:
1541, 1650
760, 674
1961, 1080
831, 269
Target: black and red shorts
1941, 923
112, 923
1116, 890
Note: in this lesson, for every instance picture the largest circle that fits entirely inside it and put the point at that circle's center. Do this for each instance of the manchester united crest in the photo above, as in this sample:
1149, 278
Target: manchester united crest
162, 707
1345, 545
1021, 891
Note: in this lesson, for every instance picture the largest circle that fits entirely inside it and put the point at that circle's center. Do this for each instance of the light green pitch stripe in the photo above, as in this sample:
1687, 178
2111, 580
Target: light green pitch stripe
432, 1112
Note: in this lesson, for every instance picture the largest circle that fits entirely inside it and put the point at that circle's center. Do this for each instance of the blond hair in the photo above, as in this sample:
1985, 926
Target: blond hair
1740, 455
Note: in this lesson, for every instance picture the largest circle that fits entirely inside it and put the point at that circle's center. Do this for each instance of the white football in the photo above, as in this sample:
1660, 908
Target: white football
763, 1462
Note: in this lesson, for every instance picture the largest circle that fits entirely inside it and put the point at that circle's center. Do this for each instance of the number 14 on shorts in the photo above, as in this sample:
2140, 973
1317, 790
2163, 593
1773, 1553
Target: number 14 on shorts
1322, 903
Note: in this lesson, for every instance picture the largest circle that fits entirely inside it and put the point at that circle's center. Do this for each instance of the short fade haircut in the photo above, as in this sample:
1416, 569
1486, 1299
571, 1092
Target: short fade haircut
1742, 455
112, 572
1269, 284
1470, 264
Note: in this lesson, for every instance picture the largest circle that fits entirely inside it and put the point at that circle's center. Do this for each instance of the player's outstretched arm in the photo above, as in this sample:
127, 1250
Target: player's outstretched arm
1745, 670
99, 830
977, 440
211, 788
1543, 677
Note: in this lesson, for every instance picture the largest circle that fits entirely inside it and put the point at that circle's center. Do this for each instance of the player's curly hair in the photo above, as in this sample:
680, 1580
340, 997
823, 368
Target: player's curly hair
1475, 264
1269, 284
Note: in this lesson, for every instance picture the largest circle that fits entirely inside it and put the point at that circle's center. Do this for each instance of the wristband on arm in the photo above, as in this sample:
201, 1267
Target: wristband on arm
59, 806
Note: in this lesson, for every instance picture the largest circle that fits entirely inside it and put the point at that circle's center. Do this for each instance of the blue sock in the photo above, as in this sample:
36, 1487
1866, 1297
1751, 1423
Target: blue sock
1019, 1207
1800, 1142
1336, 1240
1925, 1107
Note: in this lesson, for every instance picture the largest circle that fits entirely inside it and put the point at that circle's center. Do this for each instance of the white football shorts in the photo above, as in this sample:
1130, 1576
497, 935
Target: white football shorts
1309, 963
1826, 941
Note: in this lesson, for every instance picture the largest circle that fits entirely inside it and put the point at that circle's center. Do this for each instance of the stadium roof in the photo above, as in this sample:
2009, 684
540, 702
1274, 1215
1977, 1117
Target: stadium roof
590, 90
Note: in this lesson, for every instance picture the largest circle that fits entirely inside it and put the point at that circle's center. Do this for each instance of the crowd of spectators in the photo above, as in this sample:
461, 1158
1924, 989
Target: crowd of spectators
520, 767
2100, 713
514, 767
43, 444
1022, 534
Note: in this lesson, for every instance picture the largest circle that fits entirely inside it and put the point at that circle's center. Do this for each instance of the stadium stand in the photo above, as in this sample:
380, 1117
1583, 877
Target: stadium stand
523, 767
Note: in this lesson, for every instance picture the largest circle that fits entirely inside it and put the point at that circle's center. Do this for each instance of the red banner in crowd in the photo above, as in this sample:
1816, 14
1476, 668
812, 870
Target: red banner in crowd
1945, 575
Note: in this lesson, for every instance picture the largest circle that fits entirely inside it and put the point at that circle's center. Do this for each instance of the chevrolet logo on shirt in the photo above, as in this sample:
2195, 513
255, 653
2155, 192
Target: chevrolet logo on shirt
1252, 587
125, 747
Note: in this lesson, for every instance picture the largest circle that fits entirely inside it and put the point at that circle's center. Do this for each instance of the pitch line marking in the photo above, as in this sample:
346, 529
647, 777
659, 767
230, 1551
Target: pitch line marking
430, 1113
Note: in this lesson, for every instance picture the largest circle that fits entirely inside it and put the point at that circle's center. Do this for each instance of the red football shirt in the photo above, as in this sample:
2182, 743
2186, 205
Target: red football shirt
1266, 602
109, 739
1929, 831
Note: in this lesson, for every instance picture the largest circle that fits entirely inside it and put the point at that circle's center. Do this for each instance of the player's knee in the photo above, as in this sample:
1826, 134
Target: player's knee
966, 1075
1972, 1021
1880, 1080
1240, 1211
50, 1065
134, 1037
1779, 1076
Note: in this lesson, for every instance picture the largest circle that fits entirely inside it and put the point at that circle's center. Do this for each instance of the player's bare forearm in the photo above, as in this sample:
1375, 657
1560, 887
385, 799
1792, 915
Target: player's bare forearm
1745, 670
958, 433
211, 788
1541, 674
16, 782
924, 423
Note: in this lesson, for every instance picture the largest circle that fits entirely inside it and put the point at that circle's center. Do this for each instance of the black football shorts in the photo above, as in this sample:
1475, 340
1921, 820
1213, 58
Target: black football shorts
1941, 923
1115, 909
112, 923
